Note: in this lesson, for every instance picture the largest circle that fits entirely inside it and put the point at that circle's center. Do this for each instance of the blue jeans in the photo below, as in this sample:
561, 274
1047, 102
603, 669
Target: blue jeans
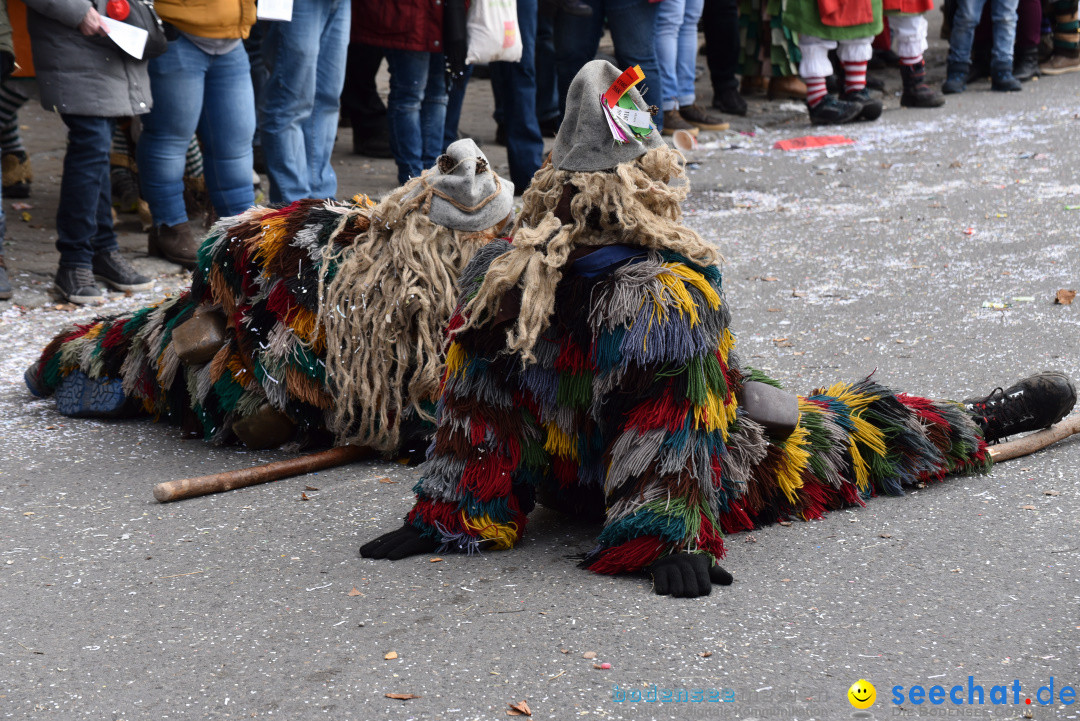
84, 224
416, 110
299, 112
209, 93
1003, 25
631, 23
676, 50
514, 84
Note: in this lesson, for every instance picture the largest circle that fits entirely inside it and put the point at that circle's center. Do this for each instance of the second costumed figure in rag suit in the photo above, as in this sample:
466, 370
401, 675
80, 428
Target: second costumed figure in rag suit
312, 320
592, 367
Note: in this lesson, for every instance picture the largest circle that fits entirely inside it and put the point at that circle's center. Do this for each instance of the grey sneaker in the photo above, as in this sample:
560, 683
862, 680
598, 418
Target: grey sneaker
76, 285
115, 270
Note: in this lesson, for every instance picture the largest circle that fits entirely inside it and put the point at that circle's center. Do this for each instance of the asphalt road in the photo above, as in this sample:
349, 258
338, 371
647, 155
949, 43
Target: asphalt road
878, 256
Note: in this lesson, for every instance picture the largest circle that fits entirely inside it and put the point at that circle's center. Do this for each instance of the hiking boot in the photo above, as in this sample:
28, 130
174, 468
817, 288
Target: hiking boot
833, 111
956, 78
871, 107
1038, 401
5, 284
81, 396
1003, 81
787, 86
1026, 63
1058, 64
702, 118
917, 94
673, 121
115, 270
175, 243
17, 174
729, 101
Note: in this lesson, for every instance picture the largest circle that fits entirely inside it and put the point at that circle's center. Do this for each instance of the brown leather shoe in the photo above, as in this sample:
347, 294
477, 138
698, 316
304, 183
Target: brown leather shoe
702, 118
673, 121
753, 85
1060, 63
174, 243
786, 87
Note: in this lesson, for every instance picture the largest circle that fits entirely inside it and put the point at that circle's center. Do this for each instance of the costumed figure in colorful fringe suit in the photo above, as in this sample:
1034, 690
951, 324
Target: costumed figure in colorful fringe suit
312, 320
592, 367
849, 27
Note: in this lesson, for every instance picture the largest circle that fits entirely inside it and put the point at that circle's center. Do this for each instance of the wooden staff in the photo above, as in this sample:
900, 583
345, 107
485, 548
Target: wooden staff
1036, 441
227, 481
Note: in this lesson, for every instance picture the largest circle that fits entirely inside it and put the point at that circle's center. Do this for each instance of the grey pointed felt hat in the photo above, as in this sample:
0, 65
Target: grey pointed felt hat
463, 191
584, 142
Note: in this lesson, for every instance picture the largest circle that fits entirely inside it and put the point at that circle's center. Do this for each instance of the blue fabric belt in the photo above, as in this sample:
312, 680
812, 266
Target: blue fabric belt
605, 259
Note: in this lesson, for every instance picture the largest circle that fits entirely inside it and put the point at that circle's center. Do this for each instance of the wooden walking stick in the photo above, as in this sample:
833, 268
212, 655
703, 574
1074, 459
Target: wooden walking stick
229, 480
1036, 441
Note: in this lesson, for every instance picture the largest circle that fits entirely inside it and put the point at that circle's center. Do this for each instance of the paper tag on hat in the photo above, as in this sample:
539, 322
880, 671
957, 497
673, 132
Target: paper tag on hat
616, 131
629, 78
640, 121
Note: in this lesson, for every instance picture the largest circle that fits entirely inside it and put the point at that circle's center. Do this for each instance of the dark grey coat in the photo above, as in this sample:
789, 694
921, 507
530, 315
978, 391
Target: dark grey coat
80, 76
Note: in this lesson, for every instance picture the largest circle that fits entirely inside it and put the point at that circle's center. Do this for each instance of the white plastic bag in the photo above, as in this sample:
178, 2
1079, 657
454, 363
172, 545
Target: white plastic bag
493, 32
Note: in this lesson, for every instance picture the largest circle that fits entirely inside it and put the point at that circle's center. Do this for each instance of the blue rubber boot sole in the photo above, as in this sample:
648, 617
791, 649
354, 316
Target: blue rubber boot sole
81, 396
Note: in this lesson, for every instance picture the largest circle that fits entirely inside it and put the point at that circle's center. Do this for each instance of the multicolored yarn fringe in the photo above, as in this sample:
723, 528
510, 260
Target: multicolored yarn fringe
633, 406
262, 269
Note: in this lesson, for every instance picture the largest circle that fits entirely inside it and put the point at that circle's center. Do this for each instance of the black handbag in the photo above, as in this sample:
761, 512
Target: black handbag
141, 14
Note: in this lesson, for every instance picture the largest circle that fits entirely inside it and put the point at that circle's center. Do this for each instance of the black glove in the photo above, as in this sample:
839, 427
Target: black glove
7, 65
687, 575
393, 546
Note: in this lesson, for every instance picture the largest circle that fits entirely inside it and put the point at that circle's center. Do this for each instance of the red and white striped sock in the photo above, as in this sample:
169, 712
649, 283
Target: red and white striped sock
815, 91
911, 61
854, 75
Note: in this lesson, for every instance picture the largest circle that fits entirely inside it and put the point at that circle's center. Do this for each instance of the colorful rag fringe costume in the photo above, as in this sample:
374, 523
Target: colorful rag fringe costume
332, 315
593, 367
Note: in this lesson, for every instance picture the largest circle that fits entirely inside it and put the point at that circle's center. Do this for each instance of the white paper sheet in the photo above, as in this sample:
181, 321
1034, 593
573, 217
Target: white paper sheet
274, 10
130, 39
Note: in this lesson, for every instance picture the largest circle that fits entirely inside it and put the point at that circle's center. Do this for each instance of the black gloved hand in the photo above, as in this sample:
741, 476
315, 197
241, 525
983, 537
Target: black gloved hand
7, 65
393, 546
687, 575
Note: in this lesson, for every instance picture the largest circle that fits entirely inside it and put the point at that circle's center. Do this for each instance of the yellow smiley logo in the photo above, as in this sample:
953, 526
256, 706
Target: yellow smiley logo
862, 694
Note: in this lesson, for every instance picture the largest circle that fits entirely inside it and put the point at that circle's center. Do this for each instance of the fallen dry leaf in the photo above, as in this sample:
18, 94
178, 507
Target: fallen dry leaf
589, 654
519, 709
784, 523
705, 654
434, 560
304, 496
1028, 508
956, 164
564, 650
386, 480
355, 592
1064, 297
391, 656
1051, 493
402, 696
310, 488
884, 535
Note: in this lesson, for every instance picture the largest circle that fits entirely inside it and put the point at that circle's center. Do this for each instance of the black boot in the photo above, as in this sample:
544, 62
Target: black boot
1003, 81
871, 106
956, 80
833, 111
1026, 63
917, 94
1038, 401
